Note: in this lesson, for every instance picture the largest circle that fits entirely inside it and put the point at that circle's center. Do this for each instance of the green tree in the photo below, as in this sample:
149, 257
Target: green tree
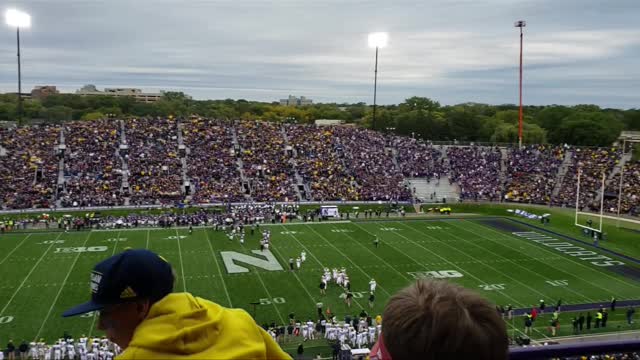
93, 116
589, 129
7, 111
58, 113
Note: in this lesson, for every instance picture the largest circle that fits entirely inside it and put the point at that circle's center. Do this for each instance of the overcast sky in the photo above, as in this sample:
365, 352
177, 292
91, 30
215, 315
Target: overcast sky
576, 51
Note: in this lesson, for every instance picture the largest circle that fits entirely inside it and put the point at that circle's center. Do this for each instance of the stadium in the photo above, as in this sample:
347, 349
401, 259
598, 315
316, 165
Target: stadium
313, 217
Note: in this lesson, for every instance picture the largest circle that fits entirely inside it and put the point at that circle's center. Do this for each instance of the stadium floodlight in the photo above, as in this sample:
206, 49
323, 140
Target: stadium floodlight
520, 24
377, 40
18, 19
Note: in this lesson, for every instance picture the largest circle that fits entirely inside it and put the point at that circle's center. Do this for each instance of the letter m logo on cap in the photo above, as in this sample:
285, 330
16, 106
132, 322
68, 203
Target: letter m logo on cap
96, 277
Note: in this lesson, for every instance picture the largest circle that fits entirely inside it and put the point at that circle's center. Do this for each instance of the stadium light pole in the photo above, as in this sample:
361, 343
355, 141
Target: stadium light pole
520, 24
18, 19
377, 40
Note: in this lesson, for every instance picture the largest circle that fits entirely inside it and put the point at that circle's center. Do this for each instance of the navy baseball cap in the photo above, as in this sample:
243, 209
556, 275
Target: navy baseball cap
130, 275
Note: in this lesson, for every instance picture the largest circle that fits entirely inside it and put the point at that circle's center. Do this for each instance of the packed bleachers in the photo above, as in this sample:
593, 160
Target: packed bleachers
334, 163
476, 170
265, 161
29, 172
154, 165
531, 173
593, 162
630, 190
211, 164
371, 165
417, 159
320, 162
91, 167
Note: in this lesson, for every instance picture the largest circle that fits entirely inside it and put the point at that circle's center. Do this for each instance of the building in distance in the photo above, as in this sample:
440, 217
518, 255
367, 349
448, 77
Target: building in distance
139, 95
41, 92
294, 101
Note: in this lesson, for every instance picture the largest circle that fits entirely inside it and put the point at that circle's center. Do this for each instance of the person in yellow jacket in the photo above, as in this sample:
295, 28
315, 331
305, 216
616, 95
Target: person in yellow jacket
138, 311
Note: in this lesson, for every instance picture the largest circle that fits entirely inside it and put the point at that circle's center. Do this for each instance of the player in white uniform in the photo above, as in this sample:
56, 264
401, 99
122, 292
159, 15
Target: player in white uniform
304, 331
91, 356
33, 350
303, 256
342, 335
372, 285
57, 353
311, 328
352, 335
242, 238
372, 335
298, 262
361, 339
47, 353
71, 351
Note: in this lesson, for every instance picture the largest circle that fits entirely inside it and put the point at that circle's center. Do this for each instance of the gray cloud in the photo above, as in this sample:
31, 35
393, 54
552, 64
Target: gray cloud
451, 50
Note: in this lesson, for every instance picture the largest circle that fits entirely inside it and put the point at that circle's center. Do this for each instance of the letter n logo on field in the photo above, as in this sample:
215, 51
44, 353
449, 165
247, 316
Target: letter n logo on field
270, 264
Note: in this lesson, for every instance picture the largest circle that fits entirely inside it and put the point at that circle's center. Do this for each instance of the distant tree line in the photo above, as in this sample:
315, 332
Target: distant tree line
587, 125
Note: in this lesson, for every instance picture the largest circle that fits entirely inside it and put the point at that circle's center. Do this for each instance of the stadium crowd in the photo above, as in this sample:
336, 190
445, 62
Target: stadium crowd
630, 200
91, 168
593, 163
417, 159
211, 164
531, 173
320, 162
235, 161
476, 170
370, 163
265, 161
28, 172
154, 165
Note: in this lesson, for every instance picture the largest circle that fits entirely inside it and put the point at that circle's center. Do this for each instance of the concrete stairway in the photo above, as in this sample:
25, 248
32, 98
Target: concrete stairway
564, 167
184, 152
123, 149
442, 189
503, 167
61, 149
618, 168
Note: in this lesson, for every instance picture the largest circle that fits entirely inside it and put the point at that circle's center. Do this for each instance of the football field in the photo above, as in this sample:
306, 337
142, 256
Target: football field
45, 273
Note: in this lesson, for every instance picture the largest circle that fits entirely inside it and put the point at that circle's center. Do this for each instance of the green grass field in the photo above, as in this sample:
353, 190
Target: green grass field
40, 279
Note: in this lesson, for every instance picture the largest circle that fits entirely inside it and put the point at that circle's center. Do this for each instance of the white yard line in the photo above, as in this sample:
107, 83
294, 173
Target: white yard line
318, 261
147, 244
534, 246
184, 281
514, 301
15, 248
27, 277
515, 263
313, 300
486, 264
267, 291
206, 232
349, 259
95, 314
374, 254
55, 300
